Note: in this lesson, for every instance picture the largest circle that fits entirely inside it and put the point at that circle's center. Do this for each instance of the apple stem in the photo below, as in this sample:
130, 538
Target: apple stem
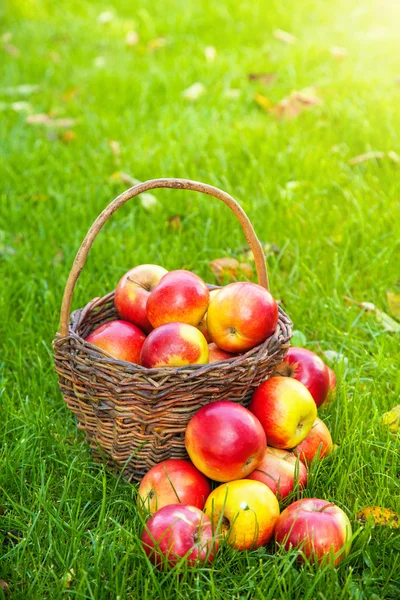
325, 507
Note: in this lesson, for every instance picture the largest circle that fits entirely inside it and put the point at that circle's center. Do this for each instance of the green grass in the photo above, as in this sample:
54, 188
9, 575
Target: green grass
337, 227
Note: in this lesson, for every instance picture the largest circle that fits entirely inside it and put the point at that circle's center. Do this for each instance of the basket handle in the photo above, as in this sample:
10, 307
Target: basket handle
180, 184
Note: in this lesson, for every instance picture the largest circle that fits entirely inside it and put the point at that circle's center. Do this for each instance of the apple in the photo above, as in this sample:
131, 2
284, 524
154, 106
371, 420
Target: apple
318, 442
310, 369
173, 481
215, 354
225, 441
241, 316
176, 531
316, 527
332, 380
132, 292
179, 296
203, 323
281, 471
244, 511
286, 410
174, 345
121, 339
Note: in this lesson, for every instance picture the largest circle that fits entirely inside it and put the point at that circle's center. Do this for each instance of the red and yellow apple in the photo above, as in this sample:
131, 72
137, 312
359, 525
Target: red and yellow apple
285, 409
132, 292
179, 296
318, 442
332, 380
281, 471
121, 339
244, 511
203, 323
225, 441
176, 531
318, 528
173, 481
215, 354
174, 345
310, 369
241, 316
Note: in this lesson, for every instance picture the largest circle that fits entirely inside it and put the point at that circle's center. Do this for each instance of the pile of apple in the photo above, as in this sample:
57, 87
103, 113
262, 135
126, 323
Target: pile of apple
171, 319
259, 456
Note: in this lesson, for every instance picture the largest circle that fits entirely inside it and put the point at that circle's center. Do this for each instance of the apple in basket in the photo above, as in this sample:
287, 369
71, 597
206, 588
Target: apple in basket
174, 345
203, 323
132, 292
176, 531
173, 481
225, 441
121, 339
215, 354
179, 296
281, 471
310, 369
285, 409
241, 316
244, 512
318, 442
318, 528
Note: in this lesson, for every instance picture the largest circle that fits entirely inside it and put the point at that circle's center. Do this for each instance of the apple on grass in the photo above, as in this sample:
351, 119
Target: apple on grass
244, 512
173, 481
281, 471
286, 410
318, 442
121, 339
132, 292
225, 441
241, 316
177, 531
174, 345
179, 296
309, 369
318, 528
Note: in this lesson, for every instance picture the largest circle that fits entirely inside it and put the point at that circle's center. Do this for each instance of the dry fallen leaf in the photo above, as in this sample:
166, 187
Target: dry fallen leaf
210, 53
393, 301
338, 52
284, 36
4, 586
266, 78
47, 121
380, 516
157, 43
68, 578
115, 147
194, 92
132, 38
229, 269
384, 319
376, 155
392, 419
175, 222
263, 101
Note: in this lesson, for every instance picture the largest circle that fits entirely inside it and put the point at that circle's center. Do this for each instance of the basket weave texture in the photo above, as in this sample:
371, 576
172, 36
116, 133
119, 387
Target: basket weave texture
135, 417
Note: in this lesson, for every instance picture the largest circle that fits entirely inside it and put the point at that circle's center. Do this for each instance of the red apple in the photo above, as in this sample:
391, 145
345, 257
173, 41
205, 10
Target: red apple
316, 527
310, 369
132, 291
176, 531
318, 441
121, 339
225, 441
215, 354
173, 481
203, 323
281, 471
241, 316
285, 409
174, 345
180, 296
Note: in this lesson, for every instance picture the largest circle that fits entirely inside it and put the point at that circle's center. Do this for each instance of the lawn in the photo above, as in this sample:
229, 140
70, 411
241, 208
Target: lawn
69, 528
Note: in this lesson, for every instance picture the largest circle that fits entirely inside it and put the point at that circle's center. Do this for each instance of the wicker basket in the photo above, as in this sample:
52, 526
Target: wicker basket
135, 417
